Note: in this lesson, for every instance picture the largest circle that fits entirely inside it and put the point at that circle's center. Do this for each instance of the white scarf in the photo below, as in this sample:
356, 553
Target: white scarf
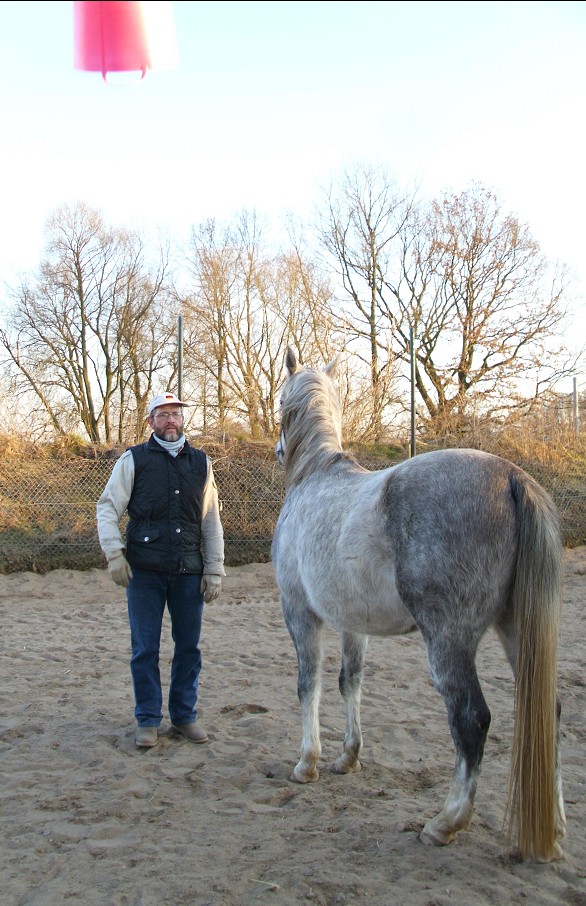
174, 447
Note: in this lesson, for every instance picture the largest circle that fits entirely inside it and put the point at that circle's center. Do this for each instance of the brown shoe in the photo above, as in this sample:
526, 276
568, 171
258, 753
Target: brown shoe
146, 737
193, 732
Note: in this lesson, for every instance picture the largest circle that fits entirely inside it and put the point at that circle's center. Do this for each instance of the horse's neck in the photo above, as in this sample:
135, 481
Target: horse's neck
315, 434
317, 454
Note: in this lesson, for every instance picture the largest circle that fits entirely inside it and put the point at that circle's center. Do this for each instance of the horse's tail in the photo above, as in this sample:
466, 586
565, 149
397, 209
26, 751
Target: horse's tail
533, 806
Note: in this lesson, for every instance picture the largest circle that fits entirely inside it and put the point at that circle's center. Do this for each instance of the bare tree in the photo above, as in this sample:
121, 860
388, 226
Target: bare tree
249, 301
486, 307
465, 281
365, 214
212, 264
89, 332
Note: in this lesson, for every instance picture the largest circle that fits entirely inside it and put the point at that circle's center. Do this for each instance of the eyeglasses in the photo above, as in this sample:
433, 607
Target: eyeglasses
165, 416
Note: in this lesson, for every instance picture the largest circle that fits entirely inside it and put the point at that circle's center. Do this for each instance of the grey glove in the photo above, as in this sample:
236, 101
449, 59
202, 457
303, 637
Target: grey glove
119, 569
210, 587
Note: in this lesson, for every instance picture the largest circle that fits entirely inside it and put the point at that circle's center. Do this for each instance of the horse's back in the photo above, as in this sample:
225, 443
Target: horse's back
454, 520
438, 532
462, 495
451, 497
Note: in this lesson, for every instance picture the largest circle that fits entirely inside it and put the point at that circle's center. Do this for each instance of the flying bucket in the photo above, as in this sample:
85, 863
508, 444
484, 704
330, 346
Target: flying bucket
124, 37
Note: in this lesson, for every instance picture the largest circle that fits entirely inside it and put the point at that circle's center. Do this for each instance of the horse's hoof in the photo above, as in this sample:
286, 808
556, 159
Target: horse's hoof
311, 777
343, 766
434, 838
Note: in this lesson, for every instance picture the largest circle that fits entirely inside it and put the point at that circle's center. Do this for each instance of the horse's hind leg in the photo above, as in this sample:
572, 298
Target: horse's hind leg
350, 682
561, 812
454, 676
306, 631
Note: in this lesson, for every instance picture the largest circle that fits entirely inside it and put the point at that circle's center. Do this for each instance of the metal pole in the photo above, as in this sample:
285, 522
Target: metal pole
180, 356
412, 352
576, 408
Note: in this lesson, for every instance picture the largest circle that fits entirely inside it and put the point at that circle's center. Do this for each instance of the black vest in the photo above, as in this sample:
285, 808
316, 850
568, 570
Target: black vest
164, 527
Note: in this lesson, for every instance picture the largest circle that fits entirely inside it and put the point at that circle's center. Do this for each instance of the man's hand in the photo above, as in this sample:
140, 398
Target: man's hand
211, 587
119, 569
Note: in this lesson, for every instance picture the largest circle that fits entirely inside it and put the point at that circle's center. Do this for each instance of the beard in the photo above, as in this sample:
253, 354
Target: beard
169, 434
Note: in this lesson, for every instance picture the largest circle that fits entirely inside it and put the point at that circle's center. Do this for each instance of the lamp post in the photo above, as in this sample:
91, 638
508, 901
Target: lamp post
180, 356
412, 361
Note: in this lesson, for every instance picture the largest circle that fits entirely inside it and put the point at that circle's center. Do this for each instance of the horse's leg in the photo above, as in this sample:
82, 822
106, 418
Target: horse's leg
506, 633
454, 676
561, 823
306, 631
349, 682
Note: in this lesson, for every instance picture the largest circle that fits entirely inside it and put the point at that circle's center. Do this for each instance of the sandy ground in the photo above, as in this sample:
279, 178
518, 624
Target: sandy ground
87, 818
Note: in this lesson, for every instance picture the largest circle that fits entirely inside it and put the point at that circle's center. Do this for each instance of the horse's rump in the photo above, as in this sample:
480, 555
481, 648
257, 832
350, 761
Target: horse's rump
452, 522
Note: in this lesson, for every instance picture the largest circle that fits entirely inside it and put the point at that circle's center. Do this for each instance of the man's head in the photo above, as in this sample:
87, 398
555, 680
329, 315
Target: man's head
165, 416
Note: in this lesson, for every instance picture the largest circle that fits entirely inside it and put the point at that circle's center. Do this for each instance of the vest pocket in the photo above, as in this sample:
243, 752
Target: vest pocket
145, 534
146, 548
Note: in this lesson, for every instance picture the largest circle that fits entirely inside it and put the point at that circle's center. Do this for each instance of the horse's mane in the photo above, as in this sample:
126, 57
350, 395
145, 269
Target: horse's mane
311, 419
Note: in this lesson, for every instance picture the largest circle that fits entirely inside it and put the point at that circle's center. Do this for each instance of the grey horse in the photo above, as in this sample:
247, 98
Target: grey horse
449, 543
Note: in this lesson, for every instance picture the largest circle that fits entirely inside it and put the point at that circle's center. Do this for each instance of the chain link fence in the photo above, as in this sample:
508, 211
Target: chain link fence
48, 510
48, 505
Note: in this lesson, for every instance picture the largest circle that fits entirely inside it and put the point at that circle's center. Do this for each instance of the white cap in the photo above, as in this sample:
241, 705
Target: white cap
164, 399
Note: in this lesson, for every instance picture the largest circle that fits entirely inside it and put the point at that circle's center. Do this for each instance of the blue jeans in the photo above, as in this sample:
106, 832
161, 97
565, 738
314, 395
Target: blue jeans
147, 594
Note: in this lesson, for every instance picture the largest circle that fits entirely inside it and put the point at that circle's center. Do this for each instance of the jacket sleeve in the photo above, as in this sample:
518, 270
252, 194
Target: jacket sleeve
212, 533
112, 505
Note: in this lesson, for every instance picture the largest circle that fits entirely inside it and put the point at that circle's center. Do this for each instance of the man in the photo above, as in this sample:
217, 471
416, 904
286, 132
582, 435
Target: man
174, 556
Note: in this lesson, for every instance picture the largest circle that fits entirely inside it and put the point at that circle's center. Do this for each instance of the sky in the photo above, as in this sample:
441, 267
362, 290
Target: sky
271, 100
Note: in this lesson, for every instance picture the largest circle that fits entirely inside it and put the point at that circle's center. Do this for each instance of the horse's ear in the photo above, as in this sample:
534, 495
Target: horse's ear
331, 369
291, 361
